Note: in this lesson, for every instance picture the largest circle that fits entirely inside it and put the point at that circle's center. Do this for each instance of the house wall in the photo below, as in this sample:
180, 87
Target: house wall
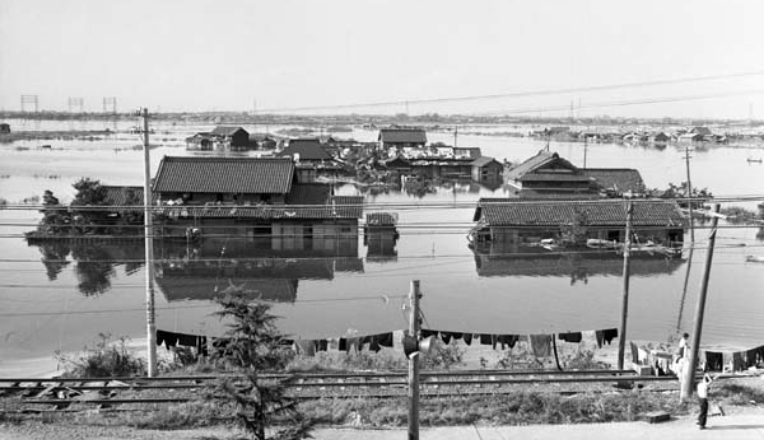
527, 235
491, 171
202, 198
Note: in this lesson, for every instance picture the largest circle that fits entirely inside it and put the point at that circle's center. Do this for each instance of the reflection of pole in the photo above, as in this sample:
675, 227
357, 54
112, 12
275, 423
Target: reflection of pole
684, 291
625, 305
700, 309
689, 191
586, 145
151, 329
414, 363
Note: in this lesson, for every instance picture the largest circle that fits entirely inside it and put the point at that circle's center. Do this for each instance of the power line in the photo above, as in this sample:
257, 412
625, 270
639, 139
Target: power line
519, 94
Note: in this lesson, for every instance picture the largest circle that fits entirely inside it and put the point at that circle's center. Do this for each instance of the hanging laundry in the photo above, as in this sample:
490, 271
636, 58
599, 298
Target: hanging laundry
574, 337
374, 343
541, 345
456, 336
188, 340
343, 345
445, 337
606, 336
508, 341
322, 345
486, 339
714, 361
427, 333
467, 338
385, 339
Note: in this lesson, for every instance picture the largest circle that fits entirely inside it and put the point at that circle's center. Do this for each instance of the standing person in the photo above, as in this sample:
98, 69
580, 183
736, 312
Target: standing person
703, 387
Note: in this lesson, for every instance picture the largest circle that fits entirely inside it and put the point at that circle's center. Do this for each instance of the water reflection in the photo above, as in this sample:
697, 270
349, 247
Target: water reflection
504, 260
94, 261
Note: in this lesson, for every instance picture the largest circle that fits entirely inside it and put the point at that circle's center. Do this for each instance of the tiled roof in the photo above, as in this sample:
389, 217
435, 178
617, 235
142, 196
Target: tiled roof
308, 149
608, 212
222, 130
621, 180
554, 177
401, 135
224, 175
348, 206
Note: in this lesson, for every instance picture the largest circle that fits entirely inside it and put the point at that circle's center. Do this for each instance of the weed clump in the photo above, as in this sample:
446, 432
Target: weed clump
104, 359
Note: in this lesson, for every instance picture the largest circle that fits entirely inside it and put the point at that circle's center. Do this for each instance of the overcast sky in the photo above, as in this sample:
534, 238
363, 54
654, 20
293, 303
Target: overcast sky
225, 55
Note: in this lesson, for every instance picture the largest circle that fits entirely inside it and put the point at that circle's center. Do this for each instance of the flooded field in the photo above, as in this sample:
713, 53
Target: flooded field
60, 297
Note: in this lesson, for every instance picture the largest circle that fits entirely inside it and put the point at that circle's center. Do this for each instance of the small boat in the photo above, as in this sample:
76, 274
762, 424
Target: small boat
754, 259
596, 243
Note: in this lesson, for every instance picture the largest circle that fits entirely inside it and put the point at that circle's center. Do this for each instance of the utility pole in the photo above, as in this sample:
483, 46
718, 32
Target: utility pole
689, 191
456, 133
626, 269
413, 377
151, 328
700, 309
586, 147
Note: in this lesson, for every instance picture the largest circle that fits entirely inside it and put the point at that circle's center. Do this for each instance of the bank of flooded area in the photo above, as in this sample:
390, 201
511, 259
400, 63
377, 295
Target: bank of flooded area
60, 294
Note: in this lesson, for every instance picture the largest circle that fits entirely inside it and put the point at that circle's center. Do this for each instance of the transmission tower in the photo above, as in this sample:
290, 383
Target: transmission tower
29, 100
76, 105
110, 104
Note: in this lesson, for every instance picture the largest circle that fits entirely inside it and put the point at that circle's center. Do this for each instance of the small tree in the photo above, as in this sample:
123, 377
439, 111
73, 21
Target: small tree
55, 218
89, 193
252, 345
574, 233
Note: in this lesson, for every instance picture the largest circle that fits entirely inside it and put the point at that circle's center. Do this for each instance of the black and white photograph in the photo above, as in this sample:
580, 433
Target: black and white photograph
372, 220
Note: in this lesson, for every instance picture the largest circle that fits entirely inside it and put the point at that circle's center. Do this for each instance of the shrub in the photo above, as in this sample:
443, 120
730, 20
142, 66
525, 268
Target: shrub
104, 359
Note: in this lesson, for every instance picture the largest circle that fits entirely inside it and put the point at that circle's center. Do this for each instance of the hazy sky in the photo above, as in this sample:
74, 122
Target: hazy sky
224, 55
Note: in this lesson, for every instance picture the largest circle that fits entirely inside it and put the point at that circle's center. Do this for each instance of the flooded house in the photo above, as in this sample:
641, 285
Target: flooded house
202, 141
263, 141
311, 159
251, 198
487, 169
547, 173
517, 223
381, 235
395, 140
5, 128
234, 138
467, 152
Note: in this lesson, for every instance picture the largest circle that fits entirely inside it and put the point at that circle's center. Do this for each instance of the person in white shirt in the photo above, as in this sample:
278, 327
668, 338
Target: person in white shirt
703, 387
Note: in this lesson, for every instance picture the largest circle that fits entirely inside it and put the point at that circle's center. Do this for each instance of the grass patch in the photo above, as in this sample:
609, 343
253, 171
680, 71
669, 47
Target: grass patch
104, 359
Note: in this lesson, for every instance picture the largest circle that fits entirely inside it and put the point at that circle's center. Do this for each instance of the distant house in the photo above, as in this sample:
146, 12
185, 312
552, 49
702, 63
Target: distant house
548, 174
5, 128
515, 222
659, 137
442, 150
231, 137
250, 197
547, 171
691, 137
395, 139
486, 169
310, 158
203, 141
263, 141
397, 163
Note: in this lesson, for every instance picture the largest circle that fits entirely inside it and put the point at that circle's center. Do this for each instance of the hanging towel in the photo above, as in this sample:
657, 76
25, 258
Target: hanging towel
609, 334
467, 338
508, 341
541, 345
386, 339
486, 339
427, 333
374, 343
305, 347
446, 337
343, 345
323, 345
634, 353
188, 340
574, 337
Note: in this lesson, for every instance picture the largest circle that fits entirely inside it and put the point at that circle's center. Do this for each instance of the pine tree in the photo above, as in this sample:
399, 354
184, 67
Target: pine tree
251, 346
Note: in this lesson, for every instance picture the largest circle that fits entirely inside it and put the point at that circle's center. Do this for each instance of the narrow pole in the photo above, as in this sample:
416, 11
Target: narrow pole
151, 328
689, 191
414, 363
456, 133
700, 309
626, 268
684, 291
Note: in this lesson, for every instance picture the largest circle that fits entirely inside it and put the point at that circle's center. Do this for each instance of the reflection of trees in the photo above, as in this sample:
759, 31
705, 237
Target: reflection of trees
54, 258
95, 272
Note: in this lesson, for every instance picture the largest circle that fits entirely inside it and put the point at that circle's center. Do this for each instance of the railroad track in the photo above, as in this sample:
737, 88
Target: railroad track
25, 394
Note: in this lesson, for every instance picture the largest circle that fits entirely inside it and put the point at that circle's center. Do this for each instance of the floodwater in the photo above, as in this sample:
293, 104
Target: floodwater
60, 297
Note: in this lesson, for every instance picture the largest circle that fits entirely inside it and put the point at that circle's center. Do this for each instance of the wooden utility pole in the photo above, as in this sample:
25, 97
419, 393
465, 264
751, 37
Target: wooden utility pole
626, 273
151, 328
689, 191
700, 309
414, 363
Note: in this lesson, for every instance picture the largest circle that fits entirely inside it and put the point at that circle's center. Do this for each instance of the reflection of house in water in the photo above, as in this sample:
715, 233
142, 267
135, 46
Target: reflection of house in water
381, 236
217, 267
497, 261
